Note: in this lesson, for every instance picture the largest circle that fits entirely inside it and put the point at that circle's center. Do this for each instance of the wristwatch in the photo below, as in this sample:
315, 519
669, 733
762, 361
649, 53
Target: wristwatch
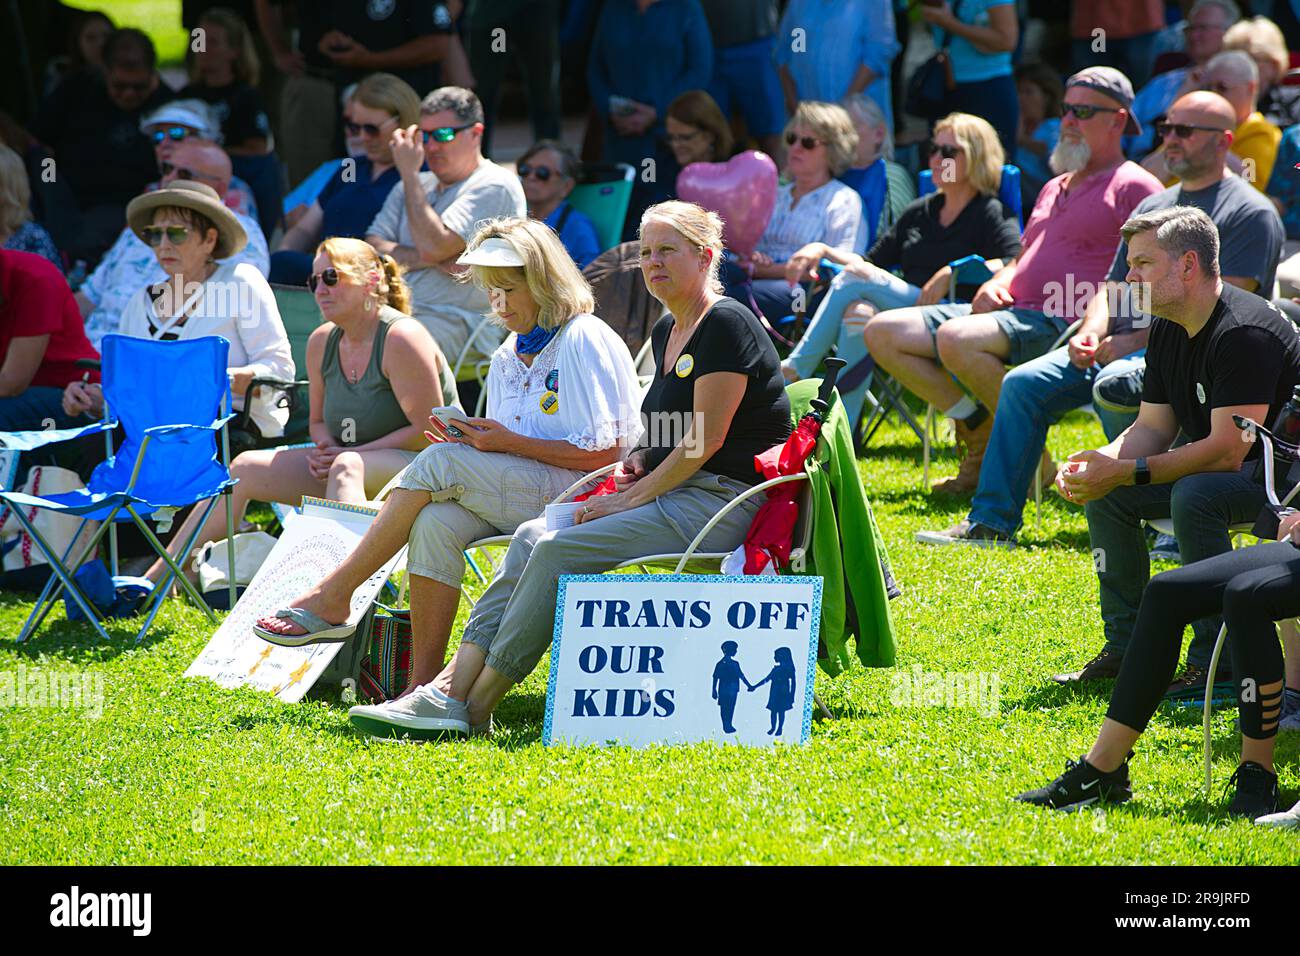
1141, 473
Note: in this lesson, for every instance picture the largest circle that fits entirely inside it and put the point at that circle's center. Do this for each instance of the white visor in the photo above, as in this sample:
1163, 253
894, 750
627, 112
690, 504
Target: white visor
493, 251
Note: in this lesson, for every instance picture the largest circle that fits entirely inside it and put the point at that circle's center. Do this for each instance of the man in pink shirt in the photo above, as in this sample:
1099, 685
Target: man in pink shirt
1020, 312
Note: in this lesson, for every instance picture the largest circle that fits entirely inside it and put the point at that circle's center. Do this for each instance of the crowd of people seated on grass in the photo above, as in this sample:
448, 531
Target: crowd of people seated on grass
1122, 235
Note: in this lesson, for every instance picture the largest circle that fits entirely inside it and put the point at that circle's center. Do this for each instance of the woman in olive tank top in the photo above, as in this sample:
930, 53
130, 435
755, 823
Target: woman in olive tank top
375, 373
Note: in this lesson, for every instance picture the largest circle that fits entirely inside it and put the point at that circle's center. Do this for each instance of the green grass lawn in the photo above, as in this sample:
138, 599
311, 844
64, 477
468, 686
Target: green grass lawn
161, 19
180, 771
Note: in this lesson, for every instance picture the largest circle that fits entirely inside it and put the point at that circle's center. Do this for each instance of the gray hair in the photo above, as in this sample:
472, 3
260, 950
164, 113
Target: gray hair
1231, 11
1237, 63
1179, 230
459, 100
869, 111
570, 167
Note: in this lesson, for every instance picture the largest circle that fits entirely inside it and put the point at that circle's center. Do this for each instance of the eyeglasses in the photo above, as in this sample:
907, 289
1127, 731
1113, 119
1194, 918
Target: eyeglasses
175, 234
807, 142
1083, 111
367, 129
1220, 88
543, 173
174, 133
1184, 130
684, 137
444, 134
946, 151
330, 277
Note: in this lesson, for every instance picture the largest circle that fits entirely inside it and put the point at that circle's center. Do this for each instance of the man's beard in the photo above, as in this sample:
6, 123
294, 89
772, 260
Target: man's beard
1069, 157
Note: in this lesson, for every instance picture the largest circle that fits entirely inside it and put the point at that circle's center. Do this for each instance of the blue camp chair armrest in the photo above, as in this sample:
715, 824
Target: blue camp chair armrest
29, 440
833, 267
182, 433
969, 269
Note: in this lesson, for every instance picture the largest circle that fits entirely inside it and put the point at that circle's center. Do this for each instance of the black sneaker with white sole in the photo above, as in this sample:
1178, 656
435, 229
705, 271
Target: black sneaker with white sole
968, 533
1105, 664
1257, 794
1081, 785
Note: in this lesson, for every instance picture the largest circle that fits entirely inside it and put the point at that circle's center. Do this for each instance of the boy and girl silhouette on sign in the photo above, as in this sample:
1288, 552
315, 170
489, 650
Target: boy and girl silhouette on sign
727, 677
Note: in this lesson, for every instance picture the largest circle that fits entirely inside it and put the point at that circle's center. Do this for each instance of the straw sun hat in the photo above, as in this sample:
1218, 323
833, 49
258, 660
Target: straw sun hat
200, 197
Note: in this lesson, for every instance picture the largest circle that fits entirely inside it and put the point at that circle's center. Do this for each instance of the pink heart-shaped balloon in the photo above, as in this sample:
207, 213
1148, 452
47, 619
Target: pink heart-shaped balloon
742, 191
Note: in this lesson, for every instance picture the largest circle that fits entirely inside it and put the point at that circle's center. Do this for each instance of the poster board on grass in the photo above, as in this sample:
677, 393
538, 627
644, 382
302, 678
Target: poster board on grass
313, 544
640, 659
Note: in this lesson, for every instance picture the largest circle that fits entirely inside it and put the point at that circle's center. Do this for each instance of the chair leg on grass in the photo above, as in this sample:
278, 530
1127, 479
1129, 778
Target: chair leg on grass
1209, 697
825, 711
174, 569
65, 577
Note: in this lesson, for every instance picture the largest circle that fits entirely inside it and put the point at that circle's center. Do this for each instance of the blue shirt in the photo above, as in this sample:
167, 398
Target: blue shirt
32, 237
1034, 166
1284, 184
1151, 101
839, 37
872, 184
969, 65
578, 234
350, 207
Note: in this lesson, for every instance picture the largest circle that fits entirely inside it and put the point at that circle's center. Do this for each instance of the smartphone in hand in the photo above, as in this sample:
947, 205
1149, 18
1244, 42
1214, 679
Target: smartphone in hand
444, 414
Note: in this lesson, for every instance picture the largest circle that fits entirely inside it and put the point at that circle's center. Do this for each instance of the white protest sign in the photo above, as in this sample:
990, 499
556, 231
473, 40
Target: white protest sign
641, 659
313, 544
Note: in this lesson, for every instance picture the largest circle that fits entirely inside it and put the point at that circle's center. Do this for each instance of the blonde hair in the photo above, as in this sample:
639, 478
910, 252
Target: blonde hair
553, 280
248, 67
701, 227
1262, 39
15, 191
390, 94
356, 257
979, 141
831, 124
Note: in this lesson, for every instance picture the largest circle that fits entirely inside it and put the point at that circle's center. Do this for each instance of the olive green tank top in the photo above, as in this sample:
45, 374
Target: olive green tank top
359, 412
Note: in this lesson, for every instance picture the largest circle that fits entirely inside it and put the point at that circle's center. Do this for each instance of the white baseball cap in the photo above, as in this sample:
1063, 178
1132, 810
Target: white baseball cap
493, 251
195, 114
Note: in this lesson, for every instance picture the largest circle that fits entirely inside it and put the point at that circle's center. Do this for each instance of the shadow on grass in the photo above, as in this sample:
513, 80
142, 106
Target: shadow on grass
76, 642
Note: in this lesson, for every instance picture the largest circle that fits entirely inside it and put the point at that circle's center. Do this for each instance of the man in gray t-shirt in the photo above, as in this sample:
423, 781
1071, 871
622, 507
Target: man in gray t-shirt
429, 217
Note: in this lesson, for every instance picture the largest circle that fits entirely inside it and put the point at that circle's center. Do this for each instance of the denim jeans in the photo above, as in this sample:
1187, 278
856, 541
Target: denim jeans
1034, 396
884, 291
1202, 507
34, 408
1118, 397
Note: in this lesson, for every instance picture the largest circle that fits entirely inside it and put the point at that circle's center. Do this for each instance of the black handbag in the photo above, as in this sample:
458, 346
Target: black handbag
929, 87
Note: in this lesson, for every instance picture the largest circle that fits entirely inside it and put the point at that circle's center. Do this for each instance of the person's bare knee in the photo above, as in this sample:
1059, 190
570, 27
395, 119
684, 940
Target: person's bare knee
347, 475
893, 332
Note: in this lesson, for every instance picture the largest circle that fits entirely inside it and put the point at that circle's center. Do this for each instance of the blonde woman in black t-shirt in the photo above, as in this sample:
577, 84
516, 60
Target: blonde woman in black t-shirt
717, 400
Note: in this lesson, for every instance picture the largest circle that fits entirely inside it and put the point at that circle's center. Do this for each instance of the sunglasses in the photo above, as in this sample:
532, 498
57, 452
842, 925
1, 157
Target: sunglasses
368, 129
807, 142
543, 173
946, 151
175, 234
444, 134
1184, 130
330, 277
181, 172
174, 133
1220, 88
1083, 111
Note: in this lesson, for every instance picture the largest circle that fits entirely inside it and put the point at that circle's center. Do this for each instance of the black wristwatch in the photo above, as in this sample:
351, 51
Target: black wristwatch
1141, 473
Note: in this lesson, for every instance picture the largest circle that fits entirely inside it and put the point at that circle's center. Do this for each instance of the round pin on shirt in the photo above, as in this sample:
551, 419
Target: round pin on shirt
549, 403
684, 365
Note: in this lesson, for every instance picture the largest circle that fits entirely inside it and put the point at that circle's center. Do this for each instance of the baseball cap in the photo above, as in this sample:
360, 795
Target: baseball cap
1110, 82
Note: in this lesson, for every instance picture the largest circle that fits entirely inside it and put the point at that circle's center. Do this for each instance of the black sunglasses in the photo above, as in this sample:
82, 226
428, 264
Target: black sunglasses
369, 129
543, 173
1184, 130
174, 133
444, 134
181, 172
175, 234
330, 277
807, 142
946, 151
1084, 111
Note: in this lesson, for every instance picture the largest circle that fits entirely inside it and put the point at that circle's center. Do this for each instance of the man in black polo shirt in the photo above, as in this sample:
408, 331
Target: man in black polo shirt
1215, 351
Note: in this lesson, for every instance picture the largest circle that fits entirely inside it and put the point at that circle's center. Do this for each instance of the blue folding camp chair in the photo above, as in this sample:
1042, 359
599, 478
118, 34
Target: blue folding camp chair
1008, 190
171, 399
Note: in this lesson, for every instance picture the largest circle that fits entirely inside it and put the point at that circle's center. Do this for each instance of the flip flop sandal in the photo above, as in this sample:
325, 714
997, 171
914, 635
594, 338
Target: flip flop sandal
318, 630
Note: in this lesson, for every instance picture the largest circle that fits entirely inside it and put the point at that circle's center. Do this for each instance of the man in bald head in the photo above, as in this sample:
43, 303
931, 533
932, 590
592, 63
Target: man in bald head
130, 264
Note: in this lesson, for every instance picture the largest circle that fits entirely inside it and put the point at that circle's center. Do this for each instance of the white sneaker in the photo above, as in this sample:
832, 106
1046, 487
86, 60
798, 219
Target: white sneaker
424, 714
485, 729
1288, 820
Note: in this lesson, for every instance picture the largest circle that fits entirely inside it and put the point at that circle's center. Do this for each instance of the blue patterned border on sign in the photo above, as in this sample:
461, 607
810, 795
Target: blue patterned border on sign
816, 614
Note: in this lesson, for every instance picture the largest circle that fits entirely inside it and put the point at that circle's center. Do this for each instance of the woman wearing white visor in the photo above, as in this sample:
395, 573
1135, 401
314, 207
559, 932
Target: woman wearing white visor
561, 401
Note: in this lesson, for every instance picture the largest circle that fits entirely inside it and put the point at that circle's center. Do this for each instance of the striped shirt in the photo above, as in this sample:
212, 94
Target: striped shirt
831, 213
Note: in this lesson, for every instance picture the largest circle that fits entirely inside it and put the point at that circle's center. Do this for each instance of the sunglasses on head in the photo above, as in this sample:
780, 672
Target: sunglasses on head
807, 142
1084, 111
174, 133
444, 134
946, 151
175, 234
330, 277
543, 173
1184, 130
369, 129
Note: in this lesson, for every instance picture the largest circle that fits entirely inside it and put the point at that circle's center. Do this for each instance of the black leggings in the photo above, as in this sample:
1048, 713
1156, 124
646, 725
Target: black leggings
1252, 587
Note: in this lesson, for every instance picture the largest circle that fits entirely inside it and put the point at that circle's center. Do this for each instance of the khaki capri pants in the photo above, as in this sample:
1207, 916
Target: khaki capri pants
473, 494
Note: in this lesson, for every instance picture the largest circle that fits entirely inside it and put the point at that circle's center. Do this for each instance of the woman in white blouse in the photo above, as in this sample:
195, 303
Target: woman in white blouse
814, 206
189, 228
562, 401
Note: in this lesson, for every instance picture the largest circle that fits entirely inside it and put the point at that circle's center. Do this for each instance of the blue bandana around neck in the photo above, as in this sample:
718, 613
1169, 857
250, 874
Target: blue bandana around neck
534, 341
